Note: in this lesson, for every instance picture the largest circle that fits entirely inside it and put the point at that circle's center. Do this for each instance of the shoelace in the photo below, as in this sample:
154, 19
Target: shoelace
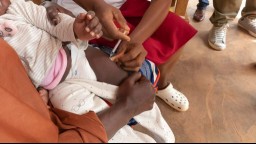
220, 33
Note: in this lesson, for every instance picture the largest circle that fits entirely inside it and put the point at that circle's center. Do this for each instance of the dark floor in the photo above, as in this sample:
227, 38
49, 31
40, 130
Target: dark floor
221, 87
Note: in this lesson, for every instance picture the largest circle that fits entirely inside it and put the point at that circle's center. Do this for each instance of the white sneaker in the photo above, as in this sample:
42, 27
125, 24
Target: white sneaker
217, 37
174, 98
248, 24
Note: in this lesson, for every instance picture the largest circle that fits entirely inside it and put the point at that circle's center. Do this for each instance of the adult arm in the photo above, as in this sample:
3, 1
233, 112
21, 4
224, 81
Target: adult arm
151, 20
135, 95
131, 54
107, 15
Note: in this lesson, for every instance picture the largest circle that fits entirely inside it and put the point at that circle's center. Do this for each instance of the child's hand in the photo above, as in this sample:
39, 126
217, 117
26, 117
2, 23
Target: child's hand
87, 26
44, 95
53, 10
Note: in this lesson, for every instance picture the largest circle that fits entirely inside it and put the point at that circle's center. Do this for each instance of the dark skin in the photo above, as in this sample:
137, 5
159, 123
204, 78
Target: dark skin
4, 4
86, 26
81, 24
107, 14
105, 70
135, 94
109, 31
54, 12
131, 53
90, 29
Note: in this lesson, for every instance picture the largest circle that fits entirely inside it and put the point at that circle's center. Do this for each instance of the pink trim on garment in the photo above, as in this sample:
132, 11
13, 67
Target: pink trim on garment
57, 71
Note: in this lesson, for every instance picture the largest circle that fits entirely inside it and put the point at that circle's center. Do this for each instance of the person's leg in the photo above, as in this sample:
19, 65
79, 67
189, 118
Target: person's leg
202, 4
249, 9
225, 11
199, 14
173, 33
248, 19
166, 91
167, 42
166, 68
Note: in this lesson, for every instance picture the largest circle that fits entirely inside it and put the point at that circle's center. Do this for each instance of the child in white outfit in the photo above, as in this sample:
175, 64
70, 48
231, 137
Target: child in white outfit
39, 46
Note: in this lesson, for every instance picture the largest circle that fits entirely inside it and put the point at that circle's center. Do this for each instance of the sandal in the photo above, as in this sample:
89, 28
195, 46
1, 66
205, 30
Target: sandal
174, 98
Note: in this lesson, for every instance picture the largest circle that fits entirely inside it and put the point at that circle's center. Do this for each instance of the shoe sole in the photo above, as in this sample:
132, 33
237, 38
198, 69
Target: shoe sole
215, 47
174, 104
250, 32
198, 20
174, 98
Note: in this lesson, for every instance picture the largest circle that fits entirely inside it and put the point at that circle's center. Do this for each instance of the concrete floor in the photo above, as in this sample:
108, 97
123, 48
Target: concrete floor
220, 85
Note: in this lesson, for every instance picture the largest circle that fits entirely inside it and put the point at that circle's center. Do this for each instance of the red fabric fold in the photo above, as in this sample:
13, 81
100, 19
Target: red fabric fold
173, 33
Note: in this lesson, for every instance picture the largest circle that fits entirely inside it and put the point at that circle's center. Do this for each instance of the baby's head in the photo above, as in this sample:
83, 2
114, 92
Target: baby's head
4, 4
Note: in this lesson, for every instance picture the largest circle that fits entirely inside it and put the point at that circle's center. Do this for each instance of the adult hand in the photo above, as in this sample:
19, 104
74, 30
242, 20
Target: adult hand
134, 96
53, 9
130, 55
137, 94
109, 16
87, 26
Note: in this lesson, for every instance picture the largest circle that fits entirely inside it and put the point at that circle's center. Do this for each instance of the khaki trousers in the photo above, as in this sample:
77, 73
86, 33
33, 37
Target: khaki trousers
227, 10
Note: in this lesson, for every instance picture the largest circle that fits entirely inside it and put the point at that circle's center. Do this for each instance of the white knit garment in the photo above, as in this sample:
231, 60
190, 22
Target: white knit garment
37, 42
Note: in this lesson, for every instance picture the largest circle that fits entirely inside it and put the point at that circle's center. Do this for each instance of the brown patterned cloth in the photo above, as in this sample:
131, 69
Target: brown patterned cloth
25, 117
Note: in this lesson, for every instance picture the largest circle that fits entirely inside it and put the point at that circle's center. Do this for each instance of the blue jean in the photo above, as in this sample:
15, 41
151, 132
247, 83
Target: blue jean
202, 4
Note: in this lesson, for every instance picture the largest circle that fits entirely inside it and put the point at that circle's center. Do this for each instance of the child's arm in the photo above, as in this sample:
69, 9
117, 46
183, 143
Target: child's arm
53, 10
107, 15
37, 16
105, 70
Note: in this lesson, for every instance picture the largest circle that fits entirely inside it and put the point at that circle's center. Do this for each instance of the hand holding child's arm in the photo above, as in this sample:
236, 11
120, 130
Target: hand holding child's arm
87, 26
